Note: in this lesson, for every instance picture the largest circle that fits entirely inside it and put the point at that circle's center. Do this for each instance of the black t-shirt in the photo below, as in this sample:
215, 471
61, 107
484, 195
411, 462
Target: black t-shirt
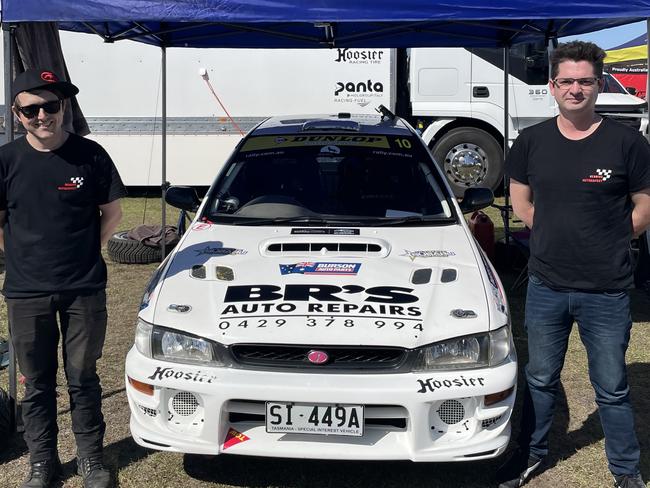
52, 226
582, 224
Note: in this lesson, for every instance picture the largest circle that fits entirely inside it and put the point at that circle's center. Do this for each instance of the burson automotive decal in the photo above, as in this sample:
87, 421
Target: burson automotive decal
359, 56
234, 437
427, 254
431, 384
310, 268
178, 374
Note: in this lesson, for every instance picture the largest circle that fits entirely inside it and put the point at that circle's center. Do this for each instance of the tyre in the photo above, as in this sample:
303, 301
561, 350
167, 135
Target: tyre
5, 416
121, 249
469, 157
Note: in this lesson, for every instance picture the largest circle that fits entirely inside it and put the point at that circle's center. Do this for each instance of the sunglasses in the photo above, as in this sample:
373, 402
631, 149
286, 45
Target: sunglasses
31, 111
568, 82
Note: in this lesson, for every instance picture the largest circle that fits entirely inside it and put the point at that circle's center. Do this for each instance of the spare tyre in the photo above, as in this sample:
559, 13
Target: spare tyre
122, 249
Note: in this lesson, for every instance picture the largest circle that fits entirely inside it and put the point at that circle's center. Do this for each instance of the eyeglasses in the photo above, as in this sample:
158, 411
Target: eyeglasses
568, 82
31, 111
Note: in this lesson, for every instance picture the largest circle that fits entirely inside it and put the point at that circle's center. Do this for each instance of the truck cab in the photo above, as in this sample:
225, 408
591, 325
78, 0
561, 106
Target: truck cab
457, 99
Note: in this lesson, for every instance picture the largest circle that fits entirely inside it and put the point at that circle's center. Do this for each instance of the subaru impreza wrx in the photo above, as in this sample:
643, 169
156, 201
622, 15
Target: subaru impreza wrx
327, 301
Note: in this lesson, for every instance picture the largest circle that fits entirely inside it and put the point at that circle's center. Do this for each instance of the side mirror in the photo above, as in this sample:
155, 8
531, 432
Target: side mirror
631, 90
183, 197
476, 199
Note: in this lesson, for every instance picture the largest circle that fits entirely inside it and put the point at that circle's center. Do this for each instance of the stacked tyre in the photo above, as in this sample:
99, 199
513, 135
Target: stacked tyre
122, 249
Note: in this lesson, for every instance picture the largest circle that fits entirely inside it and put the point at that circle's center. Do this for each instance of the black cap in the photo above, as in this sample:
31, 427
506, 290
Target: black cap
42, 79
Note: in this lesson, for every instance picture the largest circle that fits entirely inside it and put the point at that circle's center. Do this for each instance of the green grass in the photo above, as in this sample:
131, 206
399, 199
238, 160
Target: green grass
577, 458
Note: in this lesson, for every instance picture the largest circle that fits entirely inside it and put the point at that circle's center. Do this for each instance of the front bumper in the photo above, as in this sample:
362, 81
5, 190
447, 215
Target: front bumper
433, 416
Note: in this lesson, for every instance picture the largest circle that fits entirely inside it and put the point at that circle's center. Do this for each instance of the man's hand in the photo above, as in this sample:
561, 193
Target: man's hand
522, 202
641, 211
111, 216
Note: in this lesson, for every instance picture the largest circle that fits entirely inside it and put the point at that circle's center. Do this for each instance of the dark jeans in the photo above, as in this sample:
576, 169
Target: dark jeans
604, 324
35, 336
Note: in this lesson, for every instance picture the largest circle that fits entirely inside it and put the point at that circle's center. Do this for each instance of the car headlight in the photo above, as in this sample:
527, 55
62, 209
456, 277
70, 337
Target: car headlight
171, 345
469, 352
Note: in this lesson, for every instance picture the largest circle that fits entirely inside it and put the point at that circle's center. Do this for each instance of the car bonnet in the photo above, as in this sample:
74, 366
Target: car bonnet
405, 287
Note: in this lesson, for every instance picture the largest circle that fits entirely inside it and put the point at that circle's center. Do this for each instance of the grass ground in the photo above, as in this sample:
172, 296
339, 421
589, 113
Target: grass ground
577, 459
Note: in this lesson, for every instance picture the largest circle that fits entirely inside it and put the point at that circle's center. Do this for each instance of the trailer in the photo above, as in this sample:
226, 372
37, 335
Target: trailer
454, 97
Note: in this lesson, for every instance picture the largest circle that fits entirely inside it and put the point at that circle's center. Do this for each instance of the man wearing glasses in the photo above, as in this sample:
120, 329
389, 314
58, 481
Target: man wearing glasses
59, 202
582, 184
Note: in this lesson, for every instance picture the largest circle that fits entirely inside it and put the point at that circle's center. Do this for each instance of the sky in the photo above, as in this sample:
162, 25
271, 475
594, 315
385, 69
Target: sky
609, 38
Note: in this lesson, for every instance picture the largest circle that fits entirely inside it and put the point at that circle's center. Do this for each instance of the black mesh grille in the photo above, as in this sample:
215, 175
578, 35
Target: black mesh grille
356, 358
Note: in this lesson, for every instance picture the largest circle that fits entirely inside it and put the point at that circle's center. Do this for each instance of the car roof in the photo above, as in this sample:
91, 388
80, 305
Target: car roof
343, 122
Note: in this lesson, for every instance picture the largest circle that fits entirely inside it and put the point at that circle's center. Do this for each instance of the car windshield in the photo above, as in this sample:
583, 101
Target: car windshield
335, 178
611, 85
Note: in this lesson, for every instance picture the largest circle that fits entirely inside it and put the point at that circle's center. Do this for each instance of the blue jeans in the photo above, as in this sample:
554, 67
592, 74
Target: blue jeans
604, 323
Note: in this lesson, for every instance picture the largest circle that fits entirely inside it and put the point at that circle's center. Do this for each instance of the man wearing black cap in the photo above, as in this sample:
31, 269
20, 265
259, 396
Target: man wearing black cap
59, 202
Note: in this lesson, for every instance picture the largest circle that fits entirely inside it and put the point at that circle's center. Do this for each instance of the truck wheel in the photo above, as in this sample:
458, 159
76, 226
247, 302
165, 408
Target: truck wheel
121, 249
5, 416
469, 157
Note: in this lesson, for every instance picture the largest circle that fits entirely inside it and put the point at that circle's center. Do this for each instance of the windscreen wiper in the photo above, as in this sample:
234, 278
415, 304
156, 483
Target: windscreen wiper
295, 220
412, 220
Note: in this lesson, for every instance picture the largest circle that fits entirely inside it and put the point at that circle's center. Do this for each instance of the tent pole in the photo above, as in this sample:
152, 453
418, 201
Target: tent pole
647, 80
506, 137
8, 40
165, 183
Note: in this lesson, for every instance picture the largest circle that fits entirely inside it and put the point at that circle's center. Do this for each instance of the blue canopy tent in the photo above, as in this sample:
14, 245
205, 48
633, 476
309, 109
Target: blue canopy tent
318, 23
327, 23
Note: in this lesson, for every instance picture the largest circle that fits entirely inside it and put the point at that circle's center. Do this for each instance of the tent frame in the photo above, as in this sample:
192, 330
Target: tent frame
138, 31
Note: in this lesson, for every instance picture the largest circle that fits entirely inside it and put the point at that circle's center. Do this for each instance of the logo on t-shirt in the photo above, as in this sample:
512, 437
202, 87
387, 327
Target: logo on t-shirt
75, 183
601, 176
49, 77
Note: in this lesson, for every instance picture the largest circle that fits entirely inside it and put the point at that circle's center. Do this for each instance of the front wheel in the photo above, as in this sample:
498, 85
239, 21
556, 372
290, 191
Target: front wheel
469, 157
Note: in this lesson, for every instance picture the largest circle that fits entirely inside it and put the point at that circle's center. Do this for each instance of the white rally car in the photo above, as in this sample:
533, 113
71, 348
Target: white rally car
328, 301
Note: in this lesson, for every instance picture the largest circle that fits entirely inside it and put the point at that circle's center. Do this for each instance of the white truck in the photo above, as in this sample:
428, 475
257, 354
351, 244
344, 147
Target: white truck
453, 96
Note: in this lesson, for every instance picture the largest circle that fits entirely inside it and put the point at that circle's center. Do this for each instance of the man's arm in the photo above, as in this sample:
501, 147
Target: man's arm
3, 215
111, 216
641, 211
522, 202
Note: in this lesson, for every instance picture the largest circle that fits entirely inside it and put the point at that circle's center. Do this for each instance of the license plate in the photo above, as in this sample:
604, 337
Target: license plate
305, 418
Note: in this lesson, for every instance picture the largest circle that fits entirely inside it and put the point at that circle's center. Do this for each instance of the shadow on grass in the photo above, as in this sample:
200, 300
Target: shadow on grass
255, 472
567, 443
116, 456
12, 448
